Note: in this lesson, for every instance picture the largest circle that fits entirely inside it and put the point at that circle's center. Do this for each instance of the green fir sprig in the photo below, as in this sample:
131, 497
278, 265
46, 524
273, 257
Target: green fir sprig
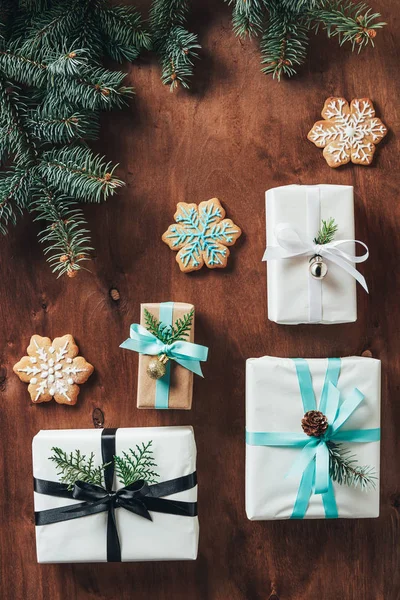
74, 466
344, 469
285, 26
136, 464
130, 467
327, 232
52, 89
168, 334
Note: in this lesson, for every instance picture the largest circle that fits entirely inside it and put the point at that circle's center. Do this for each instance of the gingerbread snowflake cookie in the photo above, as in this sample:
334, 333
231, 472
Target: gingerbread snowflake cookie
53, 369
348, 133
201, 235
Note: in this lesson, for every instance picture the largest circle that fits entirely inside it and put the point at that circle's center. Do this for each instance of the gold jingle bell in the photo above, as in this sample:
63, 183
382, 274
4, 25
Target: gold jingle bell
317, 267
156, 367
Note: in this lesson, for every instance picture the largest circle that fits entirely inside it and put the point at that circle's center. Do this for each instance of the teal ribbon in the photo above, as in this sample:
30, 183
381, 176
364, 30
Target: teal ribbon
186, 354
312, 464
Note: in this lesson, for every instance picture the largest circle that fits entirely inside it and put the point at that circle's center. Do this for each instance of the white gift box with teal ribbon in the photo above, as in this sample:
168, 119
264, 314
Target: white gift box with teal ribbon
294, 215
289, 473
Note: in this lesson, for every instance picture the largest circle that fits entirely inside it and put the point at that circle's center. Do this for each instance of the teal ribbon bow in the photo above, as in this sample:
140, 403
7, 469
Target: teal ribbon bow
186, 354
312, 464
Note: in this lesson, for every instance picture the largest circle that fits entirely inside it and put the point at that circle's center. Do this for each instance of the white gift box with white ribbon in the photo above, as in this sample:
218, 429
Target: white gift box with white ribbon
274, 405
294, 216
84, 539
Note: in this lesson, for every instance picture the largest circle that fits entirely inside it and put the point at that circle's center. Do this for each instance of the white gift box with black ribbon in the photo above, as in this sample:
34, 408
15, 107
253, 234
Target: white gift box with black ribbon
277, 393
294, 214
138, 523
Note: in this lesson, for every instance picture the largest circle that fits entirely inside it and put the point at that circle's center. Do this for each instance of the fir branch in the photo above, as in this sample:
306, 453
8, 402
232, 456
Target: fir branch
175, 45
124, 34
136, 465
247, 17
354, 23
75, 466
283, 45
168, 334
343, 468
327, 232
63, 125
79, 173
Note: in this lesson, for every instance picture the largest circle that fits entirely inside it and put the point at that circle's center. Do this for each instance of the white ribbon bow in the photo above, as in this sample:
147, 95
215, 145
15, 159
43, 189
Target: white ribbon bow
292, 245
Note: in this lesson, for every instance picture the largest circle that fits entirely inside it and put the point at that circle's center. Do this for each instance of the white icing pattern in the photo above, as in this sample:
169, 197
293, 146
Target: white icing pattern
348, 134
52, 371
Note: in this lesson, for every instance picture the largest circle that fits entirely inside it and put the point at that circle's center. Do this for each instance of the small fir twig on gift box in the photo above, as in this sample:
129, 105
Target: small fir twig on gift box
130, 467
76, 466
344, 469
327, 232
134, 465
169, 333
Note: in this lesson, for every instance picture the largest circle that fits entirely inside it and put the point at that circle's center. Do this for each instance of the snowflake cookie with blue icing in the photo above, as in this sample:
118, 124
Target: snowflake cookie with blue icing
201, 235
348, 133
53, 369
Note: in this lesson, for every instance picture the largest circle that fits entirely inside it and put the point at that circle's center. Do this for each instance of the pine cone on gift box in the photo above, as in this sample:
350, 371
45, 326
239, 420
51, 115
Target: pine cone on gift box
314, 423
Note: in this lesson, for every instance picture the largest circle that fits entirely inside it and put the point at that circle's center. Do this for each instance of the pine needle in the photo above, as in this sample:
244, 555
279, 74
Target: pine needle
344, 469
327, 232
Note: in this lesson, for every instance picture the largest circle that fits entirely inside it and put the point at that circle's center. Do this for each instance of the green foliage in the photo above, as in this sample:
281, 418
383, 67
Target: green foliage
285, 26
168, 334
136, 464
52, 89
130, 467
175, 45
344, 469
327, 232
75, 466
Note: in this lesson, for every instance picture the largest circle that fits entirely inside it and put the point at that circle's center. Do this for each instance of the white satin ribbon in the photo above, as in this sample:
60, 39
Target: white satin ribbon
297, 246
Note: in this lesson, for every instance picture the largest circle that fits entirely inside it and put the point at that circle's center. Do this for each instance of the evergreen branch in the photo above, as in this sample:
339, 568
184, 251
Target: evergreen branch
175, 45
65, 235
63, 125
327, 232
124, 34
182, 327
78, 172
136, 465
95, 89
247, 17
75, 466
343, 468
283, 45
354, 23
14, 187
22, 68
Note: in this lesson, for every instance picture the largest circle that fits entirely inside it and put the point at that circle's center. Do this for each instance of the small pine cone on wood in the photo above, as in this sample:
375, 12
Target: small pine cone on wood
314, 423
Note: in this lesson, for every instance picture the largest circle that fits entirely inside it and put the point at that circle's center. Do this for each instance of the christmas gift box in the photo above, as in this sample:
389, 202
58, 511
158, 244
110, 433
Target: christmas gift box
168, 357
311, 272
115, 495
312, 438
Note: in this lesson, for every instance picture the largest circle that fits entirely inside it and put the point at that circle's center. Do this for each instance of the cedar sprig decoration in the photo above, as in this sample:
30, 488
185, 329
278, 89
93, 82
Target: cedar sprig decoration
168, 334
130, 467
327, 232
285, 26
75, 466
136, 464
344, 469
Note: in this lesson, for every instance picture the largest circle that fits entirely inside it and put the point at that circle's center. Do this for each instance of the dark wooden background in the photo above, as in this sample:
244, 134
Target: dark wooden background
234, 135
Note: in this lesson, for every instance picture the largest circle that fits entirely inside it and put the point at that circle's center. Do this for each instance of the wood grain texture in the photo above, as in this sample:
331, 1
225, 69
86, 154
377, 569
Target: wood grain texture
234, 135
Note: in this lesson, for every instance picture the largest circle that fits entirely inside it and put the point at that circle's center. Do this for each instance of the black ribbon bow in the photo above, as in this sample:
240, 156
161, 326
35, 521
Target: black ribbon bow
138, 497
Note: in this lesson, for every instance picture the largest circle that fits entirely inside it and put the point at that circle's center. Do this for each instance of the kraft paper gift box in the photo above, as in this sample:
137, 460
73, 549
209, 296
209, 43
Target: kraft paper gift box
294, 214
175, 389
171, 504
280, 483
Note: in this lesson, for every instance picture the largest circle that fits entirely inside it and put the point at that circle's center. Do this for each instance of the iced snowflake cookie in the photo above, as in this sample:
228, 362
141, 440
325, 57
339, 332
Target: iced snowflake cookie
201, 235
53, 369
348, 133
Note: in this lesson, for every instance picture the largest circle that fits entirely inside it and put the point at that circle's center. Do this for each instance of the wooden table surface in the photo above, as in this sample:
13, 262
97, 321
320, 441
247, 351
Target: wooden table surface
236, 134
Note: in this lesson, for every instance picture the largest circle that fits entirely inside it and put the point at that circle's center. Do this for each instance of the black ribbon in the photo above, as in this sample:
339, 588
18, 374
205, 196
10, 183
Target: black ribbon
139, 498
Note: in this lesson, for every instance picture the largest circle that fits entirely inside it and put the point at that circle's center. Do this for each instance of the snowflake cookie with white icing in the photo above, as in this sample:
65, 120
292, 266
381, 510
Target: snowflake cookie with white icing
53, 369
201, 235
348, 133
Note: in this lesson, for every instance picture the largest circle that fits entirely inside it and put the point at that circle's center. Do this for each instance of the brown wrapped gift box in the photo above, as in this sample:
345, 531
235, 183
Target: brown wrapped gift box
181, 382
